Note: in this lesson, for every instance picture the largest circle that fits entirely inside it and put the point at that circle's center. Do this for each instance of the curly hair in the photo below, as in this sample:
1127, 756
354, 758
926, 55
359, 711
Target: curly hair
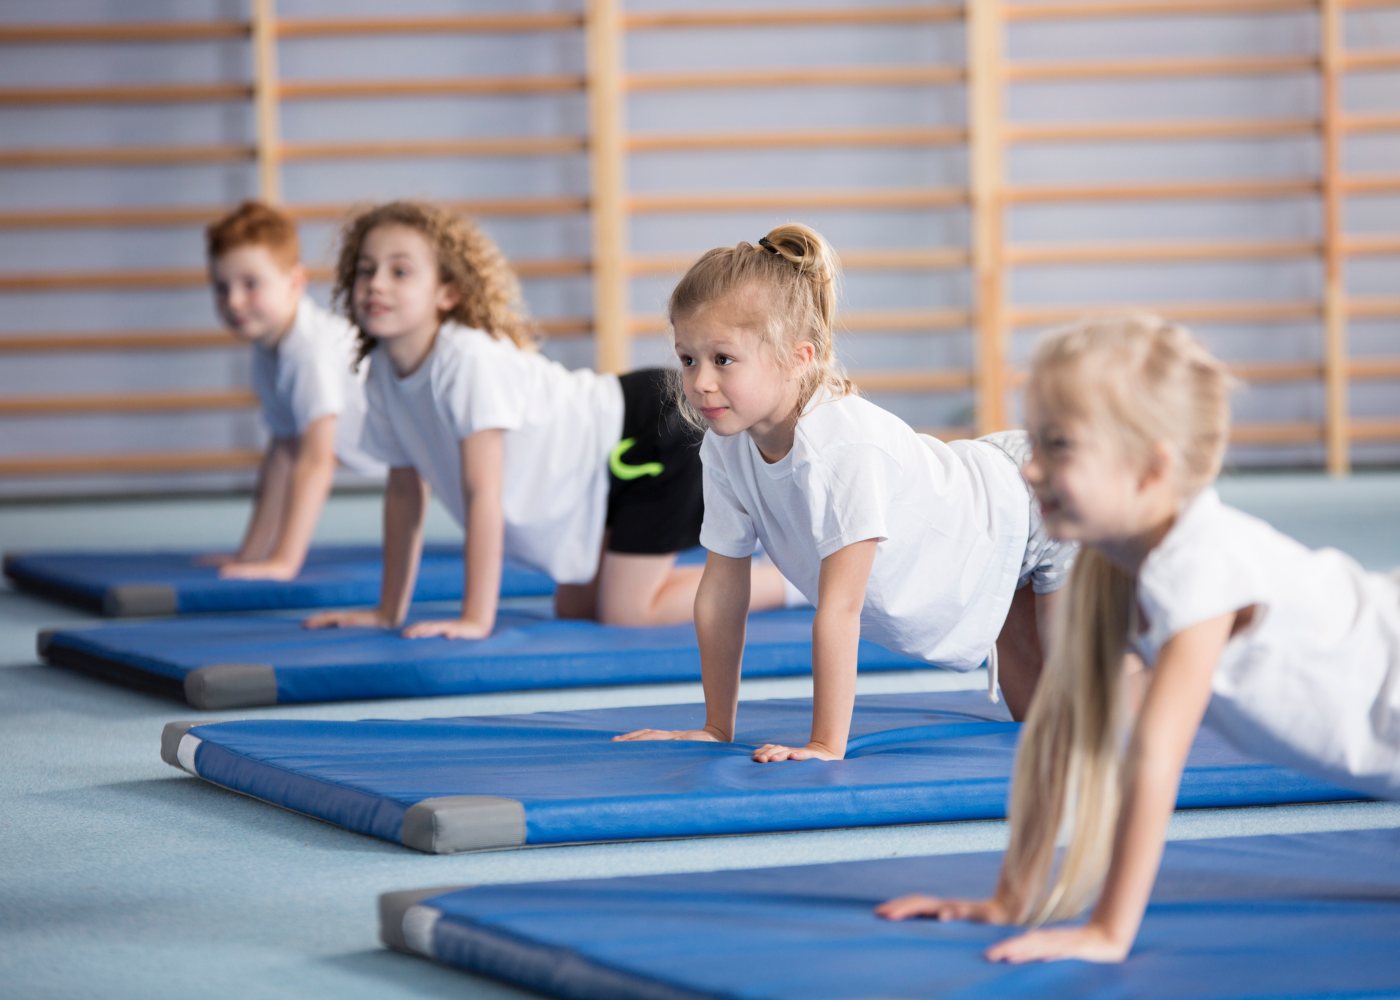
488, 292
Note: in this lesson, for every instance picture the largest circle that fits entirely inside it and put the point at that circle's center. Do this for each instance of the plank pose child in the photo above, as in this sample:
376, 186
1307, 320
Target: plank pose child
1294, 652
589, 477
928, 548
312, 402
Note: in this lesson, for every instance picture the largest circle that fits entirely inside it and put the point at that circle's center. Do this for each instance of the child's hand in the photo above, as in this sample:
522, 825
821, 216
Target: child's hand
771, 752
702, 735
980, 911
348, 619
263, 569
450, 628
1089, 943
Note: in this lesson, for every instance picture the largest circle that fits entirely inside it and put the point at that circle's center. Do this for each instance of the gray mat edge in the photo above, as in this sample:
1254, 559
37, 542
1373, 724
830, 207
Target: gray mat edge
449, 824
231, 685
131, 600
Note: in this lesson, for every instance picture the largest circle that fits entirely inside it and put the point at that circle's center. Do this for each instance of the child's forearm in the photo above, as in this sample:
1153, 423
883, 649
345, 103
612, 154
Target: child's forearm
483, 558
269, 502
721, 616
405, 500
835, 641
312, 473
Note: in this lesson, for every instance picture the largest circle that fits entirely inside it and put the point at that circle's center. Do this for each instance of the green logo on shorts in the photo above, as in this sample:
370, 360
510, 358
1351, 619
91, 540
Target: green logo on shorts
626, 472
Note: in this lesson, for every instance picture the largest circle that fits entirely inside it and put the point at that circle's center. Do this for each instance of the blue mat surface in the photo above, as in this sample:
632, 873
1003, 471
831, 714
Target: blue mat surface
240, 661
1279, 917
124, 584
445, 785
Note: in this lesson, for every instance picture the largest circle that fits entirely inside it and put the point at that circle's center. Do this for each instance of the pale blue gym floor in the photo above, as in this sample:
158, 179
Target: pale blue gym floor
120, 877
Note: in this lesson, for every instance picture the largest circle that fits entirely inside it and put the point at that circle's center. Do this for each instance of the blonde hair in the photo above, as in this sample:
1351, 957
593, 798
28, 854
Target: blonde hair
469, 263
1149, 383
800, 274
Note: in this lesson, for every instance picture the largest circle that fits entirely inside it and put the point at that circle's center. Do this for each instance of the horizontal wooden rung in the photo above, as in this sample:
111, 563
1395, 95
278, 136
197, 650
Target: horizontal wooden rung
1374, 429
309, 90
115, 340
465, 24
1181, 312
546, 145
1363, 61
796, 198
124, 156
138, 31
1185, 252
1371, 246
832, 76
912, 381
855, 322
800, 139
150, 93
933, 258
1153, 131
123, 463
184, 277
1380, 121
1374, 307
1129, 69
1374, 369
1371, 184
795, 17
1108, 9
1279, 433
1032, 194
126, 402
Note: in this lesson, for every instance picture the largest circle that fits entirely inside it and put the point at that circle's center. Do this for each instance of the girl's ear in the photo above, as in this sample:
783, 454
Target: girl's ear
803, 353
1161, 467
447, 299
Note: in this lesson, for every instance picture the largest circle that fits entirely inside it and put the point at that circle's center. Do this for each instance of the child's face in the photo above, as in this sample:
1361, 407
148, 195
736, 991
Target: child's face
256, 297
397, 292
731, 376
1087, 488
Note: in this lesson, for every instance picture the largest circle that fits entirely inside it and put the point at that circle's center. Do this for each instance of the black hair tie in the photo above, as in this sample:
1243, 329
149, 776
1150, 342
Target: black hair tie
767, 244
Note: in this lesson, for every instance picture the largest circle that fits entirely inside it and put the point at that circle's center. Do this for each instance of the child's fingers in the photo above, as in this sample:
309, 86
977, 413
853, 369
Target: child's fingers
645, 734
910, 906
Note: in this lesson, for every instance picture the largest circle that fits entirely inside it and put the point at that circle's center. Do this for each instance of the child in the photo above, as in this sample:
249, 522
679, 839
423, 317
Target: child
312, 402
1297, 653
928, 548
586, 476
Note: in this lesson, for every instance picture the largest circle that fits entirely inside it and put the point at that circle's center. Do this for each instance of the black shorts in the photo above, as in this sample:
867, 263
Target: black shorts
655, 490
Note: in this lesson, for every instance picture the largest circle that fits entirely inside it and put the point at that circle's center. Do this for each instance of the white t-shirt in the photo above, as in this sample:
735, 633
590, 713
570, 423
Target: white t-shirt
307, 375
560, 426
951, 520
1314, 681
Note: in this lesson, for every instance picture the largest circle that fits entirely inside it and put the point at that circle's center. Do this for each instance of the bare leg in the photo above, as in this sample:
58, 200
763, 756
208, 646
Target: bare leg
1019, 649
640, 590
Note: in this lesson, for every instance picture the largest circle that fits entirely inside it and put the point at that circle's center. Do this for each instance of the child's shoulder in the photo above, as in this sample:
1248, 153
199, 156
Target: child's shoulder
832, 422
1211, 539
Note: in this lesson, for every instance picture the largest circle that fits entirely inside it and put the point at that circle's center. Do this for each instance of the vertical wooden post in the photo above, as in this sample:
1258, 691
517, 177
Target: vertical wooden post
607, 167
1334, 302
265, 99
986, 42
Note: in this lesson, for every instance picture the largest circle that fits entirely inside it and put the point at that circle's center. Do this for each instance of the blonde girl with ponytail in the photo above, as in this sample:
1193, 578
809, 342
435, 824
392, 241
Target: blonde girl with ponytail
928, 548
1294, 652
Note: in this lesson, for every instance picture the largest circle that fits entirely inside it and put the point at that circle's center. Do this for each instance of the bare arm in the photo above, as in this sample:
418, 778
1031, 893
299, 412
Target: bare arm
483, 464
269, 504
721, 614
835, 641
1171, 713
405, 502
307, 484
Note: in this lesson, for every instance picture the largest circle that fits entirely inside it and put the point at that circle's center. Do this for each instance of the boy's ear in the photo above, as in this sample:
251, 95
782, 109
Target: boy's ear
298, 278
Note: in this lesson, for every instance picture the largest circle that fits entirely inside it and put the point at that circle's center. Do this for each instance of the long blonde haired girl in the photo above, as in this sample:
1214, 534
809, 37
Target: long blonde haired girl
1288, 647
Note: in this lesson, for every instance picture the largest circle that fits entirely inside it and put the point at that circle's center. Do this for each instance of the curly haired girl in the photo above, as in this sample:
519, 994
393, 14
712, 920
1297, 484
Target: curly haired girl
589, 477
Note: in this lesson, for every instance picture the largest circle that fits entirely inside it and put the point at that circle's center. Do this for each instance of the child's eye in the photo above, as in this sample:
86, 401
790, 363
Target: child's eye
723, 360
687, 361
401, 272
364, 270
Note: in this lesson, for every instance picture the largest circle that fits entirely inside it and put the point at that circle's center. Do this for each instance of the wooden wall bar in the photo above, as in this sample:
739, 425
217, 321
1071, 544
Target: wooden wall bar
988, 135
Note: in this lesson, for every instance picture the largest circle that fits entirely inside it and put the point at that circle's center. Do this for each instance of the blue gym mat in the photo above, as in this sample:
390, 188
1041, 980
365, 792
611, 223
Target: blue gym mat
445, 785
1279, 917
125, 584
236, 661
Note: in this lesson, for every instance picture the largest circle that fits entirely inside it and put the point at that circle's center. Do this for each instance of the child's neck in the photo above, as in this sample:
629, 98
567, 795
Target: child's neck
775, 441
408, 352
1130, 551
